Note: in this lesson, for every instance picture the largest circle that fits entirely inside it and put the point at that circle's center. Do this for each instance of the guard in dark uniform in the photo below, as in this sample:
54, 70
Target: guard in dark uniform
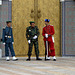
8, 41
32, 33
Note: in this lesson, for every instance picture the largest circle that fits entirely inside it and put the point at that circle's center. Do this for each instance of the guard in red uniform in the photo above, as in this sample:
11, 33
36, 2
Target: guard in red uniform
48, 32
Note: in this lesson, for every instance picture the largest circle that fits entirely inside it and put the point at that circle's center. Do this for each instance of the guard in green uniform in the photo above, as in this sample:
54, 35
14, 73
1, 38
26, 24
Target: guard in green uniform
32, 33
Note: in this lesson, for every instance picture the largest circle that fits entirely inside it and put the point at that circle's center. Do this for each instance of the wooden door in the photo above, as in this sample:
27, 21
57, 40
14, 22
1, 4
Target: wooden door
21, 10
24, 11
49, 9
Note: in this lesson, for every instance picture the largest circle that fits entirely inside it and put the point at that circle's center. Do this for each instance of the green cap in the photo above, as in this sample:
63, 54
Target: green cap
8, 21
31, 22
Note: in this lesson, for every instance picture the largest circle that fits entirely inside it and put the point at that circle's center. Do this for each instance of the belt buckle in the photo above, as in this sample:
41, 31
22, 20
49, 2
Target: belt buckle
9, 36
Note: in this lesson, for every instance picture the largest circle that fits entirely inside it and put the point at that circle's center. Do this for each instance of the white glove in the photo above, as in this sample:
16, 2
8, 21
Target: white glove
53, 39
46, 35
29, 41
3, 43
35, 37
12, 42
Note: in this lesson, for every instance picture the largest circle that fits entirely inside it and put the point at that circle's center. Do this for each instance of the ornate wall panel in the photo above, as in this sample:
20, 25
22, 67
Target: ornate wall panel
50, 9
21, 10
21, 15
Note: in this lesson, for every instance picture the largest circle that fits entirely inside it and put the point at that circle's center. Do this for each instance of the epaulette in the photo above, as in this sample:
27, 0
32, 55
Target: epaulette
3, 27
51, 25
27, 28
44, 26
35, 26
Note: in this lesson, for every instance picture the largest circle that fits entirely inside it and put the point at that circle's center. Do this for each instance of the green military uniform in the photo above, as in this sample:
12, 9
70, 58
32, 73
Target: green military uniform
30, 33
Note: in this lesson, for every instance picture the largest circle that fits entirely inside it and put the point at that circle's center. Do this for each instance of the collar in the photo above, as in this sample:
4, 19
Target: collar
8, 27
47, 25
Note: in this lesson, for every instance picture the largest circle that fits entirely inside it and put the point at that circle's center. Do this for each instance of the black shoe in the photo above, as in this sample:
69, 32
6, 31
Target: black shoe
54, 59
47, 59
38, 59
7, 60
28, 59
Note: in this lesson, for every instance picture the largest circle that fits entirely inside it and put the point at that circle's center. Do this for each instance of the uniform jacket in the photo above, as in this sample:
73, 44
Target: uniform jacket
31, 32
48, 30
7, 36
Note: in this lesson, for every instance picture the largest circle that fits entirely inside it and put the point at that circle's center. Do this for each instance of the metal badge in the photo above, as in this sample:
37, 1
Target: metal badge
9, 36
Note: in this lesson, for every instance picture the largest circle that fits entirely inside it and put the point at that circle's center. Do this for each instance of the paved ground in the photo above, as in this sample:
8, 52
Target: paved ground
63, 66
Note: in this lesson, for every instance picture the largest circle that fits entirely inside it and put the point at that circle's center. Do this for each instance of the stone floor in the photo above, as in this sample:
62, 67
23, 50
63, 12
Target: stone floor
63, 66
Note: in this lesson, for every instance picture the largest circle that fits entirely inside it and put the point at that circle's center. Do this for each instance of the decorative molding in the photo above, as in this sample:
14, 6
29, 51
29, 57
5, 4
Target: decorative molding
62, 0
10, 0
0, 2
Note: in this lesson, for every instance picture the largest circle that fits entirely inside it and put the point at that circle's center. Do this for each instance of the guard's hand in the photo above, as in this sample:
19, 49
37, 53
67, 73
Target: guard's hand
3, 43
0, 40
29, 41
12, 42
35, 37
46, 35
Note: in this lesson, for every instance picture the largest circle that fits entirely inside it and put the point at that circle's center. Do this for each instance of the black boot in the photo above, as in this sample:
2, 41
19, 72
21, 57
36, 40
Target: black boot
28, 58
54, 59
37, 58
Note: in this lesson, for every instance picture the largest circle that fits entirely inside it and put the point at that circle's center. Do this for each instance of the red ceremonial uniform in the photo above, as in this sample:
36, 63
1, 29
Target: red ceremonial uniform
50, 31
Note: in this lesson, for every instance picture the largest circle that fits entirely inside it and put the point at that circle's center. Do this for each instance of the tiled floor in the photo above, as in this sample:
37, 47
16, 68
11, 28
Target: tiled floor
63, 66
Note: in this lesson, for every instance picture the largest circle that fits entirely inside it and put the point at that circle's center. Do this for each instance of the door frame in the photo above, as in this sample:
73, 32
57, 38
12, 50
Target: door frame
3, 23
63, 26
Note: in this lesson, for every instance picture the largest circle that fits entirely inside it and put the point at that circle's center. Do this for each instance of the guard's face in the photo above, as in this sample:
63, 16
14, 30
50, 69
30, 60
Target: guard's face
46, 23
9, 24
33, 24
